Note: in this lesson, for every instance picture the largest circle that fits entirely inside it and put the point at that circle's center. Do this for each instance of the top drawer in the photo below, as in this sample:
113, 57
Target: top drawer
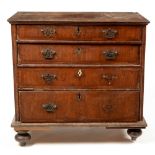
77, 33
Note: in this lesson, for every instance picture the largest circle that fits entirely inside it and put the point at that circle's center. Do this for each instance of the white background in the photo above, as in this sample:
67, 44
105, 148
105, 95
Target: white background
75, 140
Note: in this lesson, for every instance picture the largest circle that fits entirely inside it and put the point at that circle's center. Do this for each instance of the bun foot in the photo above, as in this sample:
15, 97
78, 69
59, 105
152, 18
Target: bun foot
134, 133
22, 137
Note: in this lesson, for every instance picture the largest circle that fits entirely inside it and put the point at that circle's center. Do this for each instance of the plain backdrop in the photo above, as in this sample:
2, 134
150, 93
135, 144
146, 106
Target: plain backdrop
75, 140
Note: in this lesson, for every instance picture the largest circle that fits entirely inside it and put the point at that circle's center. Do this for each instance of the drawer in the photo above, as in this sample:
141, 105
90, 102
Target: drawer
83, 33
78, 54
75, 106
85, 77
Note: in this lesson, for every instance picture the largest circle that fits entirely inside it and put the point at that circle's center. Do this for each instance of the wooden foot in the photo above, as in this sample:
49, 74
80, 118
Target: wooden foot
22, 137
134, 133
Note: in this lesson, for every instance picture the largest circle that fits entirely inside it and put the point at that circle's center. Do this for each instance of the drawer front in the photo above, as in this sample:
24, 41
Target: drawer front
77, 54
84, 33
106, 78
74, 106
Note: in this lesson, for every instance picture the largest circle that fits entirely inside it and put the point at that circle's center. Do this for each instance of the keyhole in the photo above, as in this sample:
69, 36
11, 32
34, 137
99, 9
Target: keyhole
77, 31
79, 73
79, 97
78, 51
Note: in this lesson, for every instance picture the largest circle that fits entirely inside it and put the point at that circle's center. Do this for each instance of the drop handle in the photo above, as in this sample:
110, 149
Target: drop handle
49, 107
109, 78
48, 53
48, 31
109, 33
48, 78
110, 54
108, 108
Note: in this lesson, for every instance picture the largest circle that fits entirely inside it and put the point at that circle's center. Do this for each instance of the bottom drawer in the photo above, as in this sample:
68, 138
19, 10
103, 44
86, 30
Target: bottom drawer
78, 106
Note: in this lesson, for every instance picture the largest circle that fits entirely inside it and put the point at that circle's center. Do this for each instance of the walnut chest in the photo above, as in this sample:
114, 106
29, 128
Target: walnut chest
78, 69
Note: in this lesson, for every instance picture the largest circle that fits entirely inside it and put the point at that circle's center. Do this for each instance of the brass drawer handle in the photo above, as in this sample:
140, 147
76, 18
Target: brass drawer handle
48, 53
108, 108
109, 78
49, 107
110, 33
48, 31
48, 77
110, 54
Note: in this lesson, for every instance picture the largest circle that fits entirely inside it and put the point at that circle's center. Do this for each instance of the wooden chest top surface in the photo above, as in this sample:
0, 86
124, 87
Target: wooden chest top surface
129, 18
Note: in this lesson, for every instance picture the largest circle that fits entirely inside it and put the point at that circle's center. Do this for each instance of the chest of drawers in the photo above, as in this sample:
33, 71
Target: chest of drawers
78, 69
